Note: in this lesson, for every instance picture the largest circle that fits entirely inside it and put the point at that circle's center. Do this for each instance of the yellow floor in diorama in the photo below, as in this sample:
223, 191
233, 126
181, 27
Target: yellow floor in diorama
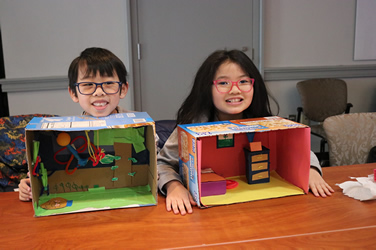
277, 187
99, 199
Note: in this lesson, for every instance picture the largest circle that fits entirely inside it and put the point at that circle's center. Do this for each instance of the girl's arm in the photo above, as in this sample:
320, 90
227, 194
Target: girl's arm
170, 184
317, 184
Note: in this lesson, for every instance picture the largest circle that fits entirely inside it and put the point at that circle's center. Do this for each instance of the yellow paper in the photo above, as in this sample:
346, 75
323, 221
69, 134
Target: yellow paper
277, 187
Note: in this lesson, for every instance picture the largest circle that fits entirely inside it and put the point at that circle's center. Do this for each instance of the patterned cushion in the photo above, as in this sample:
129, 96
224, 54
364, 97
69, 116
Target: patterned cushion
13, 166
350, 137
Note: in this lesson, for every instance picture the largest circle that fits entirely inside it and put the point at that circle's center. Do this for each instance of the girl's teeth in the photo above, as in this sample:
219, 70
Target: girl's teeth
234, 100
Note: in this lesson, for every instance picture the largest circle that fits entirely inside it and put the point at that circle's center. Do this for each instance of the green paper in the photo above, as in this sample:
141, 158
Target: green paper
134, 136
107, 159
96, 189
35, 151
134, 160
44, 176
99, 199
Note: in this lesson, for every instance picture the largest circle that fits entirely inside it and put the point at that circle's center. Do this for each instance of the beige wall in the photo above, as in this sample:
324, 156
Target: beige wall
297, 33
42, 37
300, 33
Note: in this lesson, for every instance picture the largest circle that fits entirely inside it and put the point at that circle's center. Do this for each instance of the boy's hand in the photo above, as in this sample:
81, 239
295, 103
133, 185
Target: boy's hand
24, 190
178, 198
318, 185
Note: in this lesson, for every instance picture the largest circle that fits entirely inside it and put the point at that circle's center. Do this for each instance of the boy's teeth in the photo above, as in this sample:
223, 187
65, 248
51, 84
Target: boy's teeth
99, 104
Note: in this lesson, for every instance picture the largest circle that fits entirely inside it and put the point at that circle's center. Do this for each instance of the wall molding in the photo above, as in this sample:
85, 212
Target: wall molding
34, 84
302, 73
270, 74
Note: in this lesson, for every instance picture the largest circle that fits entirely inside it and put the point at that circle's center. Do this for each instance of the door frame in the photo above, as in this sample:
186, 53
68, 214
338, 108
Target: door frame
257, 46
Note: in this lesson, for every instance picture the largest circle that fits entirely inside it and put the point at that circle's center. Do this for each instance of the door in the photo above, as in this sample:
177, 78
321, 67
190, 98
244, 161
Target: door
174, 38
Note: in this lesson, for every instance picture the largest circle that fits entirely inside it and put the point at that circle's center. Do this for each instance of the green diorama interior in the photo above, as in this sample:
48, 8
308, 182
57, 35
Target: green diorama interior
119, 170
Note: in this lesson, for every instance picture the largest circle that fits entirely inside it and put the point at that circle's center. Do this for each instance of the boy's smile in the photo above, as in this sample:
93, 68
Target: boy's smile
99, 103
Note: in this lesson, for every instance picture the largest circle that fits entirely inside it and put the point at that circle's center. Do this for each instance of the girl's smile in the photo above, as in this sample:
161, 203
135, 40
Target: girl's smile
234, 100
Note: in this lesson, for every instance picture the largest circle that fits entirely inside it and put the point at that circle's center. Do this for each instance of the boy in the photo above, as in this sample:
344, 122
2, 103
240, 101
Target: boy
97, 81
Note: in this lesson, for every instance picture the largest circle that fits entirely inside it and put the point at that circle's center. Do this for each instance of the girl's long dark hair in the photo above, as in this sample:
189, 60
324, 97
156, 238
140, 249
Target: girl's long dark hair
199, 102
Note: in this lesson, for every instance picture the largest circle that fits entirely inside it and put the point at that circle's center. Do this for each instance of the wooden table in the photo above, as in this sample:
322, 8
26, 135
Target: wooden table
302, 221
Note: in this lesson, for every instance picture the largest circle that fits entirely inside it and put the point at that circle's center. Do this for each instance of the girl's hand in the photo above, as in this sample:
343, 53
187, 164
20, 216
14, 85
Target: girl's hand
24, 190
318, 185
178, 198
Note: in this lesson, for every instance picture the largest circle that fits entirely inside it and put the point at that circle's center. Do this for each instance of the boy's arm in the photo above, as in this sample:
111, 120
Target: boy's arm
24, 190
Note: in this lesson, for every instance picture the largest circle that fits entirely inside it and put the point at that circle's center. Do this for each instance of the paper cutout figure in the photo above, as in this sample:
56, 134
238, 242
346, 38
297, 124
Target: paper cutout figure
224, 141
44, 177
231, 184
212, 184
109, 159
255, 146
134, 160
257, 163
64, 140
54, 203
97, 156
135, 136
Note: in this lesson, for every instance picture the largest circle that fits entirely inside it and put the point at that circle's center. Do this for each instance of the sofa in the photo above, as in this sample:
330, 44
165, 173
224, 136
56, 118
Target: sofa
13, 165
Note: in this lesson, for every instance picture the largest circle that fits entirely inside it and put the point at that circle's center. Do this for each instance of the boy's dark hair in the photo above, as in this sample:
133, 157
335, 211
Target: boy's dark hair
199, 102
97, 60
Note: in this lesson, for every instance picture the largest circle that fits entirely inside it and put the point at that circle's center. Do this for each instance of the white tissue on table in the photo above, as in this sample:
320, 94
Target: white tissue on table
363, 189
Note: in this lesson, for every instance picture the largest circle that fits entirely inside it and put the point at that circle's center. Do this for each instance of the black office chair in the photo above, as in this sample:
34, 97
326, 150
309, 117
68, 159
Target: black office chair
322, 98
164, 129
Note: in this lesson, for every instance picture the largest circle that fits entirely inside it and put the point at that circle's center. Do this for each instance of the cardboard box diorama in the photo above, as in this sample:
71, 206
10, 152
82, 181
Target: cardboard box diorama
237, 161
84, 163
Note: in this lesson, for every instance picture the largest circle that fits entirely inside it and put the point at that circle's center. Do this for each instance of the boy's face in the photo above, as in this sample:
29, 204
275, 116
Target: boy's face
98, 104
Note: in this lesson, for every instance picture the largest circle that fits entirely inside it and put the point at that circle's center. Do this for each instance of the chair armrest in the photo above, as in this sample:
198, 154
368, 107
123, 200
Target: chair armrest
300, 111
349, 105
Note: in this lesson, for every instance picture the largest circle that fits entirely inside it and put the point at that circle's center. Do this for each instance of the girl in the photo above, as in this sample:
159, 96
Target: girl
227, 86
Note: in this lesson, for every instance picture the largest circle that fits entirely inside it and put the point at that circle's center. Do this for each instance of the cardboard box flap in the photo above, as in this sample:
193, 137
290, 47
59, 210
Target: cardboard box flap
77, 123
240, 126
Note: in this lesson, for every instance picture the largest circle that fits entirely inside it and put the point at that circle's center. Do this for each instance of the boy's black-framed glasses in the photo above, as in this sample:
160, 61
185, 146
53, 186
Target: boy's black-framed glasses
88, 88
225, 85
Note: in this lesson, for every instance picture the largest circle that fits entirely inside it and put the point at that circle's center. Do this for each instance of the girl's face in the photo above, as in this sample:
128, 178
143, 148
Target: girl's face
98, 104
230, 106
